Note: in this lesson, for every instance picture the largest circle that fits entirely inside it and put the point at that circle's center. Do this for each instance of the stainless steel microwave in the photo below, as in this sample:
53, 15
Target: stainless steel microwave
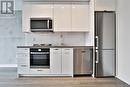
41, 24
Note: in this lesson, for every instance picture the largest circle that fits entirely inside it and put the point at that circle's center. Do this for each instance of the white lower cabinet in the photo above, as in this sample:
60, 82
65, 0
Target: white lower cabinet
55, 60
67, 61
23, 60
61, 61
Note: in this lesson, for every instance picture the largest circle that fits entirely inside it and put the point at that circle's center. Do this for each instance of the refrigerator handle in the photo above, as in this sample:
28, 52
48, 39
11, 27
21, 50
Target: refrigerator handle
97, 56
97, 40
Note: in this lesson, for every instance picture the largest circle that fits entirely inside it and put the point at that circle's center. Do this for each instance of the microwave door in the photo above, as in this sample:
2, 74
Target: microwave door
39, 24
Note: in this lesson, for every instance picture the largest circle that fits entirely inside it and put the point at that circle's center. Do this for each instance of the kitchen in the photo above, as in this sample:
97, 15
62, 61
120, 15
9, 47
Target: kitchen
69, 41
43, 19
65, 58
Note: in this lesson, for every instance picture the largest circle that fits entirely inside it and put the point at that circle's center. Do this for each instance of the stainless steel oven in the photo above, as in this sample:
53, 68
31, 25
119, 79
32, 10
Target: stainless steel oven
39, 57
41, 24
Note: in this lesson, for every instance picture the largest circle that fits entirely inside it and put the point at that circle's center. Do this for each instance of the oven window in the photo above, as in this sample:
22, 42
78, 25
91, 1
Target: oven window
39, 24
39, 58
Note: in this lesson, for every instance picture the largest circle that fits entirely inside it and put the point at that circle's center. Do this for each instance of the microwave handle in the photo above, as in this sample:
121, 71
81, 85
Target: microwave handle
48, 24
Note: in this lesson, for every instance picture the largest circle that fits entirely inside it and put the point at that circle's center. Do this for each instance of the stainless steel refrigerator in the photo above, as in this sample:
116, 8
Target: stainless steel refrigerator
105, 43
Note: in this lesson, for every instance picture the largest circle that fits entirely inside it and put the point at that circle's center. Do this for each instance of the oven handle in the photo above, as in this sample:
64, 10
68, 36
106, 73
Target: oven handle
39, 52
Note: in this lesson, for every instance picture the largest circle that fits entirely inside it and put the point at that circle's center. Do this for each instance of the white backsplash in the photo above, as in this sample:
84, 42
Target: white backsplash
75, 39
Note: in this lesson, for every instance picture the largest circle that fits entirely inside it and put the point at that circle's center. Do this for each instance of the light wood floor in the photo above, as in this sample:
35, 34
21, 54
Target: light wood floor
8, 79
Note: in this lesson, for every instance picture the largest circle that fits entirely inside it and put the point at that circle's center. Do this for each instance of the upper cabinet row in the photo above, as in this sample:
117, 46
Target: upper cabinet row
65, 17
71, 18
101, 5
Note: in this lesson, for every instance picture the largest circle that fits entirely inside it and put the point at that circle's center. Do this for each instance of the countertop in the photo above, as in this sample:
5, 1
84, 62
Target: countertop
55, 46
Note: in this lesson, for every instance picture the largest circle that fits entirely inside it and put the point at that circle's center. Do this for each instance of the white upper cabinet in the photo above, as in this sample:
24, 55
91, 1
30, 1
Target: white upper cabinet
80, 18
26, 17
62, 17
101, 5
65, 17
42, 10
71, 18
35, 10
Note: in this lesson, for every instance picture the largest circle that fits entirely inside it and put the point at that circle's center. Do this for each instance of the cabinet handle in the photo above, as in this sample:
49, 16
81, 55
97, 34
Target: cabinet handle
67, 49
66, 53
25, 49
83, 51
56, 49
39, 70
23, 65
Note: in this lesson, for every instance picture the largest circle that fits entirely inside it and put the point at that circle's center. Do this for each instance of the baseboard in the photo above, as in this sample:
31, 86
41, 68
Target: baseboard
124, 80
8, 65
8, 68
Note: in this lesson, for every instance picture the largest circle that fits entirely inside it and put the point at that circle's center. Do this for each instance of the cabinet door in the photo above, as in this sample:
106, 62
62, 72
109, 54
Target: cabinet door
101, 5
67, 61
23, 60
42, 10
80, 18
62, 18
26, 17
55, 60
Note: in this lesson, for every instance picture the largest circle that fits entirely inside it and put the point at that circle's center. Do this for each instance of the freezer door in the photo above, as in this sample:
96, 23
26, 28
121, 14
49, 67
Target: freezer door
106, 63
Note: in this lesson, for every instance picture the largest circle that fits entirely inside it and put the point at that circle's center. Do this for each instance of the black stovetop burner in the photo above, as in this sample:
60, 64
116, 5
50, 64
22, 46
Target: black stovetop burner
42, 44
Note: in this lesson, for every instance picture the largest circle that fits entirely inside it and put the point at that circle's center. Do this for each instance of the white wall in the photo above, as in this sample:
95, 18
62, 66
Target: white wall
10, 36
123, 46
18, 4
109, 5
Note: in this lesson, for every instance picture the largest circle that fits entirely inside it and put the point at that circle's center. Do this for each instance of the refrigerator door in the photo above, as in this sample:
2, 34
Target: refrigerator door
106, 63
108, 31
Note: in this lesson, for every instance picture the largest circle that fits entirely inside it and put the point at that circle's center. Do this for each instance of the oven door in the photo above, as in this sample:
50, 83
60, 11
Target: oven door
39, 60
